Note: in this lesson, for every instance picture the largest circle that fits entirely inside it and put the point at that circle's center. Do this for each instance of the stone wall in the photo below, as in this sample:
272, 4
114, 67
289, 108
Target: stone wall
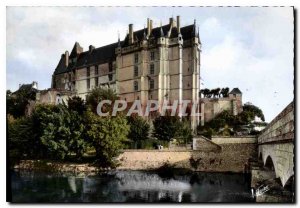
205, 145
215, 106
234, 140
231, 158
280, 128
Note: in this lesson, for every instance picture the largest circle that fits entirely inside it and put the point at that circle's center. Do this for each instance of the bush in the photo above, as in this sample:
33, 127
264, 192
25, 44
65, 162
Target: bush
62, 131
165, 127
139, 128
107, 135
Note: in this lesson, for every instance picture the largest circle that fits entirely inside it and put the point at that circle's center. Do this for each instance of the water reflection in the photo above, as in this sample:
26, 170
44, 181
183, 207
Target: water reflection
130, 186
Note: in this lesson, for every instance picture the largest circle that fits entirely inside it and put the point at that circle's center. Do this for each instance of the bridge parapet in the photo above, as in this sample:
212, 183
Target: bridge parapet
281, 128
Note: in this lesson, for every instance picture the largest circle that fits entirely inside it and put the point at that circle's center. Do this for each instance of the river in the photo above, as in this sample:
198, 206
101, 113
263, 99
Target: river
130, 186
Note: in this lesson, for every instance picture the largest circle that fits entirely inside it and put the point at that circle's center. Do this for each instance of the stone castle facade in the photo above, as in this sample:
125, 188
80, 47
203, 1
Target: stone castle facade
161, 63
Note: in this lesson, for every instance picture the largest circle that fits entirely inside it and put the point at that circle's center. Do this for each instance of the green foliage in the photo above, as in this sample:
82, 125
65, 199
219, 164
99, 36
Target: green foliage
98, 94
139, 128
169, 127
215, 92
226, 124
184, 133
62, 131
224, 92
23, 140
250, 111
76, 104
107, 135
16, 102
165, 127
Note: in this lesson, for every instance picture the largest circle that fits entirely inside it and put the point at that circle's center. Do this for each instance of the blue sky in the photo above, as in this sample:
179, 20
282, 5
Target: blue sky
246, 47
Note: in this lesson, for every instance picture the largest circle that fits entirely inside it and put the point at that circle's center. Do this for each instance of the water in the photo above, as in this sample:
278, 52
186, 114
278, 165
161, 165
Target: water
130, 186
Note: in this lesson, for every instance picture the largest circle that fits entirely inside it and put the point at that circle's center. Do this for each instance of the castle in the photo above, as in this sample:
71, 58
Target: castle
161, 63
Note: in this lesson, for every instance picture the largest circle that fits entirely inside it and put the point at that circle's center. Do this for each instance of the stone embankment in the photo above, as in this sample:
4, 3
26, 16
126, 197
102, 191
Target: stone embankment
221, 154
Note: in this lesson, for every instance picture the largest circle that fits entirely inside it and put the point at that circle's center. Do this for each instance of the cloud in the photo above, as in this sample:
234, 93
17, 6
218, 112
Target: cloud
250, 48
262, 67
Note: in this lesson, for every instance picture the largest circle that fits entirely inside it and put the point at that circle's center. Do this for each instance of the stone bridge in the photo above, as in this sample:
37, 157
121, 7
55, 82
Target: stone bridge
276, 144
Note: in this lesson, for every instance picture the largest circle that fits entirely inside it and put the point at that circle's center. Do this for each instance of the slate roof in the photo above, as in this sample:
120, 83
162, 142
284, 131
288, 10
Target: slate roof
235, 91
107, 53
96, 56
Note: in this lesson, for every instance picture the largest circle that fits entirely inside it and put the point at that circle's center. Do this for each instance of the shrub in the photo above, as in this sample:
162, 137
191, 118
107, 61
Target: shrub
107, 135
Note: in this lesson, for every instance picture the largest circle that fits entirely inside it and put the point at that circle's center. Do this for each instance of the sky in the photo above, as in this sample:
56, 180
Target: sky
246, 47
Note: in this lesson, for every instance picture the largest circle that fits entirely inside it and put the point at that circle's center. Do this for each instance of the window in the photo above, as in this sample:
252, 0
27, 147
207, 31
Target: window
136, 71
152, 55
88, 71
96, 70
151, 84
151, 68
136, 58
136, 86
110, 77
69, 77
110, 67
96, 81
88, 83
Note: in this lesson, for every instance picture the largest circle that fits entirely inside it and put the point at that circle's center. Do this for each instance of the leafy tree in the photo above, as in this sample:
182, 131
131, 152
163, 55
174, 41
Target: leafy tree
251, 111
107, 135
227, 124
61, 131
165, 127
23, 139
98, 94
16, 102
224, 92
184, 133
77, 104
139, 128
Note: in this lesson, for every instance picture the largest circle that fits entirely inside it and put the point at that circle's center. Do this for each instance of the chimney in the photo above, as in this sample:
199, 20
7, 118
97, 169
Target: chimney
130, 33
151, 25
171, 21
178, 24
148, 27
66, 58
91, 48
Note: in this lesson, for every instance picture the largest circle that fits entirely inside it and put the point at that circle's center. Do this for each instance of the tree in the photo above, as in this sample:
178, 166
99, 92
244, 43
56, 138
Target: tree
227, 124
77, 104
98, 94
165, 127
23, 139
224, 92
184, 133
61, 131
251, 111
107, 135
17, 102
139, 128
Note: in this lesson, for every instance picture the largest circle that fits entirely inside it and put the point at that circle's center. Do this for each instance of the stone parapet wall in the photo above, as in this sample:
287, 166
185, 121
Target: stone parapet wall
281, 128
234, 140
